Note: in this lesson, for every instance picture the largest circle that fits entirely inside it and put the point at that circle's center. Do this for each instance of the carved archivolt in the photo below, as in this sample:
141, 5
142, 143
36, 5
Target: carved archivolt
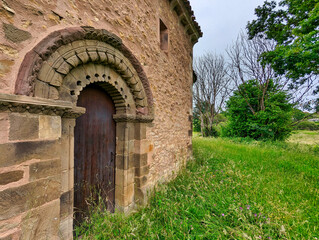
68, 60
75, 65
126, 94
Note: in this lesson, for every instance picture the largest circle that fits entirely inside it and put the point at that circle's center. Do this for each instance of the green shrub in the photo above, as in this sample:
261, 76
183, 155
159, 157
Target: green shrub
220, 118
298, 115
196, 124
210, 132
272, 123
306, 125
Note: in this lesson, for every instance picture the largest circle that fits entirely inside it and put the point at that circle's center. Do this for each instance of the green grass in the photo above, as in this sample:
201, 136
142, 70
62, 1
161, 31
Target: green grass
232, 190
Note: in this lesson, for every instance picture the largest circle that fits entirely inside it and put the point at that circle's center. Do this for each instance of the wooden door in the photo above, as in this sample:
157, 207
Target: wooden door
94, 152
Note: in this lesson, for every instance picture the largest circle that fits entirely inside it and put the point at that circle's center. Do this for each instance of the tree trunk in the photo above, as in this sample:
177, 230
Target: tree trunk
202, 125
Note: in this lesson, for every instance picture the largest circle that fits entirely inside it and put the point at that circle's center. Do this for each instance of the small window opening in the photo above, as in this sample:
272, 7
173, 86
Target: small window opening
163, 36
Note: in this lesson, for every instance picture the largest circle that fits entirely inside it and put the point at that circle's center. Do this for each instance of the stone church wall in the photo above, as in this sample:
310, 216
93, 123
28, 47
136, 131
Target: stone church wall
36, 134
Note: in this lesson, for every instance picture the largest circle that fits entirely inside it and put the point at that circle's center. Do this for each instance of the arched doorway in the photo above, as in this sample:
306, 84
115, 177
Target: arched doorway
58, 69
94, 151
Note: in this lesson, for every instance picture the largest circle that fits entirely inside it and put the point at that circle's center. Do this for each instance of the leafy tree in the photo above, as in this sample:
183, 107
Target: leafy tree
298, 115
273, 122
196, 120
245, 64
306, 125
294, 26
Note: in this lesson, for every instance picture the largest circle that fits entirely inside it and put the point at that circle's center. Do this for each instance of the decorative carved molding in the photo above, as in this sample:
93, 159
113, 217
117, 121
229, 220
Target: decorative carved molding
21, 104
74, 112
38, 59
122, 95
132, 118
94, 57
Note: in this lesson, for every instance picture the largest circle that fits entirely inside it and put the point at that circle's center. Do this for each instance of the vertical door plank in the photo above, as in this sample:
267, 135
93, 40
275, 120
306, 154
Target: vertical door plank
94, 150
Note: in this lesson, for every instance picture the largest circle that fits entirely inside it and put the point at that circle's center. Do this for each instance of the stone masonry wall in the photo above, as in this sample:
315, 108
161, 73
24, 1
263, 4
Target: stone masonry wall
30, 144
30, 176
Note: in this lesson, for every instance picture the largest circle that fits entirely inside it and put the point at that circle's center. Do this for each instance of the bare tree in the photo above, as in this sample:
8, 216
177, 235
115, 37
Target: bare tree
211, 89
245, 64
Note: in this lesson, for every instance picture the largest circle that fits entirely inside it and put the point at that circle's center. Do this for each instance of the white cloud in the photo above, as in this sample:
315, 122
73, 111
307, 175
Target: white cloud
221, 21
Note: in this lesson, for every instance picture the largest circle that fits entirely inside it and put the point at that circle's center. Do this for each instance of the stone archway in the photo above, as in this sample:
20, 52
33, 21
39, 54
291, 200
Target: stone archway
58, 68
78, 45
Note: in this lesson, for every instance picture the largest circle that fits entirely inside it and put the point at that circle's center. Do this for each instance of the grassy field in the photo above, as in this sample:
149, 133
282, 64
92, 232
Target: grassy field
232, 190
304, 137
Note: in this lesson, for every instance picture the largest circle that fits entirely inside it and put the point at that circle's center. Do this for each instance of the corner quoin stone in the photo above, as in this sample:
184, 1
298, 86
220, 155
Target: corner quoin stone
45, 169
49, 127
10, 177
16, 153
23, 127
20, 199
42, 223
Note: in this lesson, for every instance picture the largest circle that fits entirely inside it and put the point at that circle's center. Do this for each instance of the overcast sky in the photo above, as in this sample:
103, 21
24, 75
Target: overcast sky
221, 22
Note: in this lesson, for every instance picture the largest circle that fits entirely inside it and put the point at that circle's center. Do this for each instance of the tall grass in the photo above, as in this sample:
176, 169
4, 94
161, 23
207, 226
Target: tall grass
232, 190
305, 137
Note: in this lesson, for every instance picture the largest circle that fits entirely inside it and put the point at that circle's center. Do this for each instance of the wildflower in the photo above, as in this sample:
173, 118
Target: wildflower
240, 208
248, 207
255, 215
223, 214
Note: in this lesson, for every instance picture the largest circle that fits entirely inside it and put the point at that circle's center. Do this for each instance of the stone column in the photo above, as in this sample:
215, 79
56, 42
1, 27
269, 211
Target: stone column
124, 172
142, 149
67, 179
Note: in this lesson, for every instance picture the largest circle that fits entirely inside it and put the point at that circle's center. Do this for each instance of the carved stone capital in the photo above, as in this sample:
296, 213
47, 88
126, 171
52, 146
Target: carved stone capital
132, 118
21, 104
